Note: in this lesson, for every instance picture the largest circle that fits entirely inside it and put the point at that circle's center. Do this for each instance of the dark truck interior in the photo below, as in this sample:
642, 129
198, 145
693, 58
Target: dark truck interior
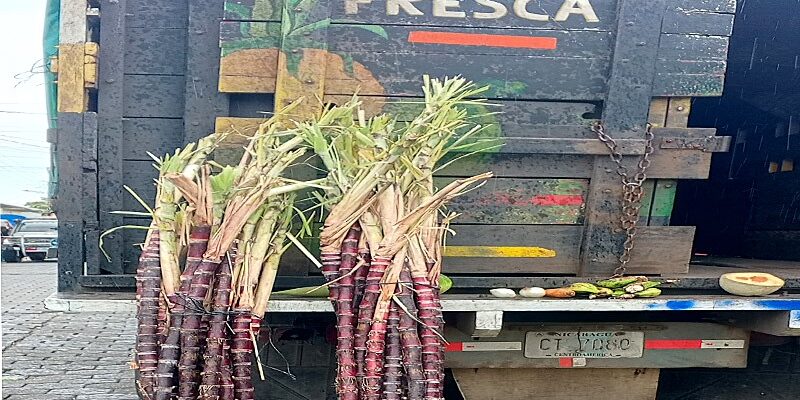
749, 208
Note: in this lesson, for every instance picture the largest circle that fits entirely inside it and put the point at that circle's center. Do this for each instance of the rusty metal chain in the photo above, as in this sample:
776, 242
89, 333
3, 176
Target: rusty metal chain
632, 189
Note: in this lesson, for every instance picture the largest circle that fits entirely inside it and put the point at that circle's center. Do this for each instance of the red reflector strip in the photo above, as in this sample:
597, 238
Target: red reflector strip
454, 346
483, 346
692, 344
480, 39
672, 344
565, 362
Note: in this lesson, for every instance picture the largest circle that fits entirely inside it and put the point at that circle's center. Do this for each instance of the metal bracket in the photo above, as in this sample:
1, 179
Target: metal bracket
482, 323
707, 144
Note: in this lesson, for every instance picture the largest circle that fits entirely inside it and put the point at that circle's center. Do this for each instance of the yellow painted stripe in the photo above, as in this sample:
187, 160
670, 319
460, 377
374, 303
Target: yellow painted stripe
498, 251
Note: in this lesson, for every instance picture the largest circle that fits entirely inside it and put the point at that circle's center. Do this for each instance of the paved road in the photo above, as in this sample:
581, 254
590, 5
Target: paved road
54, 355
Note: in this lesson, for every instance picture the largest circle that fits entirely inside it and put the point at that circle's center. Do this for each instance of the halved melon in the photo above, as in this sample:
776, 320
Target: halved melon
750, 283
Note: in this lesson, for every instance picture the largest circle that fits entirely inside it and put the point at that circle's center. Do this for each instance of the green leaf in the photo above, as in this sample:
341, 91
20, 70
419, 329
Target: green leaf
240, 11
378, 30
311, 27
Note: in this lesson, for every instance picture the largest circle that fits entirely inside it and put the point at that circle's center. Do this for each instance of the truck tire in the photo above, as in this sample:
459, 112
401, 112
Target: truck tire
10, 256
37, 257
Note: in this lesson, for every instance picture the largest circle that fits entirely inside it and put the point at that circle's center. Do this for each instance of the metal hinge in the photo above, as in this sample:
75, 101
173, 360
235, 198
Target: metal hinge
90, 52
708, 144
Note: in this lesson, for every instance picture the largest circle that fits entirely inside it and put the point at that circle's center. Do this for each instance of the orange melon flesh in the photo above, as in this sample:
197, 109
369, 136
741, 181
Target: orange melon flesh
750, 283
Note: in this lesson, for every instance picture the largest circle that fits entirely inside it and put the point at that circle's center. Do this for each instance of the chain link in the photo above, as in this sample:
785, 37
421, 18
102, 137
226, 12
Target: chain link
632, 189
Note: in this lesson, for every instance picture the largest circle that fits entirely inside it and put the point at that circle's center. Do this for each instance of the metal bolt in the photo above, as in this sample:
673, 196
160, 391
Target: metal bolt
607, 191
617, 230
595, 260
668, 186
195, 123
295, 51
630, 23
641, 44
298, 9
309, 81
681, 108
110, 80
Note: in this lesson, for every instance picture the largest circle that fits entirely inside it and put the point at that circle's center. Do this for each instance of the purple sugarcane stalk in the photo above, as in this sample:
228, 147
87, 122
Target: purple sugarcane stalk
409, 338
148, 289
393, 381
216, 351
241, 354
347, 384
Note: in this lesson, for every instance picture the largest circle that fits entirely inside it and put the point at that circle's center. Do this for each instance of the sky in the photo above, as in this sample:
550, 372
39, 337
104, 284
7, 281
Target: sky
24, 151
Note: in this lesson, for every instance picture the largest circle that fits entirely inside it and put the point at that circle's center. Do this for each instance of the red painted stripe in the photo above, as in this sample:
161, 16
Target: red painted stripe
479, 39
672, 344
558, 200
565, 362
454, 346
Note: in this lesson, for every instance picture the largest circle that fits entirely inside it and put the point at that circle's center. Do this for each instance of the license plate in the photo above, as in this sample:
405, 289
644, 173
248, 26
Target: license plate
586, 344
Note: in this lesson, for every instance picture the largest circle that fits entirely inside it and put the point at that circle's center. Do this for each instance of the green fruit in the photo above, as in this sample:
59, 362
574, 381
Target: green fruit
617, 293
616, 283
585, 288
651, 292
650, 284
445, 283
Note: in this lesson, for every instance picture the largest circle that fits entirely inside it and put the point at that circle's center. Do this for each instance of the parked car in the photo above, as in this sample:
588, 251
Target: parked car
36, 238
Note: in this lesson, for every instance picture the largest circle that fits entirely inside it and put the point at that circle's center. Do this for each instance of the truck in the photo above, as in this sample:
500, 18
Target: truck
651, 138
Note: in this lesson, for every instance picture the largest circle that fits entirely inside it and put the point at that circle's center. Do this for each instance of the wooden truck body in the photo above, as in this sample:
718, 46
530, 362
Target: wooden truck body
147, 76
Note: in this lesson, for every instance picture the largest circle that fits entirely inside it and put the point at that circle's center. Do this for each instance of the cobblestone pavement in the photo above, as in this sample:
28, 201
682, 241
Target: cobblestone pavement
54, 355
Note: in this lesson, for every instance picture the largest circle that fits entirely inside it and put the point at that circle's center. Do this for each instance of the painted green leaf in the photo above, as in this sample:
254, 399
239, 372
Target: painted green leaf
311, 27
238, 10
378, 30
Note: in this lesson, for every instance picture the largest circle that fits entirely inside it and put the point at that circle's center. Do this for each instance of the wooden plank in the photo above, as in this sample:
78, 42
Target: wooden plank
663, 202
578, 78
690, 65
248, 56
301, 68
110, 130
517, 118
596, 15
155, 14
155, 51
556, 146
519, 383
203, 103
697, 22
253, 10
674, 84
69, 162
521, 201
72, 95
153, 96
70, 255
662, 250
89, 192
624, 116
239, 129
510, 165
155, 135
647, 201
549, 249
719, 6
393, 39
